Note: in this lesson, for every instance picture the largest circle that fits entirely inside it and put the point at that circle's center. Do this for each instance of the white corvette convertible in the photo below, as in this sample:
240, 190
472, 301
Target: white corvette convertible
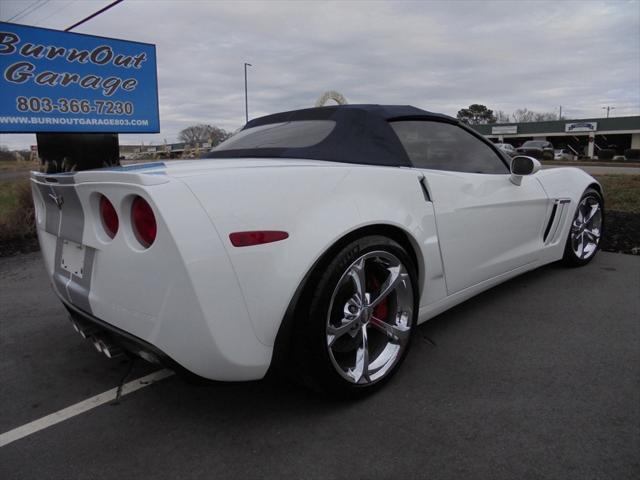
311, 242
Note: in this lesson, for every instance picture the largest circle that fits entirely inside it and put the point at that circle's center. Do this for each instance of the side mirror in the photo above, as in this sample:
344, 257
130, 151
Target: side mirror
523, 165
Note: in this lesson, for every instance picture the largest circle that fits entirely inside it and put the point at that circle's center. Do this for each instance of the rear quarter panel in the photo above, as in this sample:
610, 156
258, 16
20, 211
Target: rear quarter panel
316, 205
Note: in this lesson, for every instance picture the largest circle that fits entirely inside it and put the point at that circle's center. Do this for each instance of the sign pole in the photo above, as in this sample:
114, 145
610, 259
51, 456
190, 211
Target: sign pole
246, 97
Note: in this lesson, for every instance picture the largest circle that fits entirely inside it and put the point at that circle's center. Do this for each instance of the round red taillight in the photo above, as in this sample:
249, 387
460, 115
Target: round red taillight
109, 217
143, 221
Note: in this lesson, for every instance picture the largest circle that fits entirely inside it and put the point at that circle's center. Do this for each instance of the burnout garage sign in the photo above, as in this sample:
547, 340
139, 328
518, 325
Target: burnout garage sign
55, 81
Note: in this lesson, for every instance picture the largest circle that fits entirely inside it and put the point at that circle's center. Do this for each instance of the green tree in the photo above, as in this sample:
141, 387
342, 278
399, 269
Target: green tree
476, 114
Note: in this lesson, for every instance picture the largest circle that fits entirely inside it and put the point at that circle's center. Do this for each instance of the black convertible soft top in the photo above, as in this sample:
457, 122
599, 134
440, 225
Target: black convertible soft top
362, 134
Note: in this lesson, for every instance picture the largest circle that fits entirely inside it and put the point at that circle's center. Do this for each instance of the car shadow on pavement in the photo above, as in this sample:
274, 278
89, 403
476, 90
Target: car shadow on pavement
276, 392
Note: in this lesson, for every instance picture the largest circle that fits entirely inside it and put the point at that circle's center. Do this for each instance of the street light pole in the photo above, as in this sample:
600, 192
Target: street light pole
608, 108
246, 98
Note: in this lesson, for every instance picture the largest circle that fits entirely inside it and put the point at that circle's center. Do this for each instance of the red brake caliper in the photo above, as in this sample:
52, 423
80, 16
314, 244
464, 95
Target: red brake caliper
382, 309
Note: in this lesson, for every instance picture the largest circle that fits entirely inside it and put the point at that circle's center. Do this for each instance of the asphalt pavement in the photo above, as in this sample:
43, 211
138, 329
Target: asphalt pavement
536, 378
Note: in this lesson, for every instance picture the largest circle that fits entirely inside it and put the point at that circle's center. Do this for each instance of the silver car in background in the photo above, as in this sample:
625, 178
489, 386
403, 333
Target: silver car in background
507, 148
564, 154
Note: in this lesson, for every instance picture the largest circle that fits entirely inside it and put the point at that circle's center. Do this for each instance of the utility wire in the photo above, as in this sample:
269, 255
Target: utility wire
55, 12
24, 10
31, 8
37, 7
102, 10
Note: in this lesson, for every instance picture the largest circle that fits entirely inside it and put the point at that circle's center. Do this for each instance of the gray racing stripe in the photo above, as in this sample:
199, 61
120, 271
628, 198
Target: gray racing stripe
51, 210
72, 214
79, 288
60, 276
64, 218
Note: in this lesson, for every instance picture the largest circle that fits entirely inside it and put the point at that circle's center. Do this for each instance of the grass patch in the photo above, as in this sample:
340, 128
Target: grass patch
15, 166
590, 163
9, 193
621, 192
17, 226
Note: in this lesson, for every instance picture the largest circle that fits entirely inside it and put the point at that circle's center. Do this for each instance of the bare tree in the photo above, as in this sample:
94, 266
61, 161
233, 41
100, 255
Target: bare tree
5, 154
502, 117
522, 115
203, 133
544, 116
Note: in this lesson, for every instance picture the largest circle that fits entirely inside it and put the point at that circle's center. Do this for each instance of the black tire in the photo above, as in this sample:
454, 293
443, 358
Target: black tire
571, 258
311, 353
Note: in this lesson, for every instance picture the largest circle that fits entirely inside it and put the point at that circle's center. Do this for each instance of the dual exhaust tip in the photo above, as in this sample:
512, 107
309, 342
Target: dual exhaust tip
101, 345
110, 351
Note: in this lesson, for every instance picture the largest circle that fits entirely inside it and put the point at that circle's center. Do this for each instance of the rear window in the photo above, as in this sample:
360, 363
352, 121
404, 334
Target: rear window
298, 134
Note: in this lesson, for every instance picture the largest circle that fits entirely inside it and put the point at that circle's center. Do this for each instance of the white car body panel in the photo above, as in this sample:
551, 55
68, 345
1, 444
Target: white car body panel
216, 309
317, 206
180, 289
470, 209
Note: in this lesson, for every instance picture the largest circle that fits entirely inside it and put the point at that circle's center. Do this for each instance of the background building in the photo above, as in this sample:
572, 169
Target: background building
585, 137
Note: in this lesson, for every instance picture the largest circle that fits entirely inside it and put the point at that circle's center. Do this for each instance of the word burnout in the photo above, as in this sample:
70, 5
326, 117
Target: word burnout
23, 71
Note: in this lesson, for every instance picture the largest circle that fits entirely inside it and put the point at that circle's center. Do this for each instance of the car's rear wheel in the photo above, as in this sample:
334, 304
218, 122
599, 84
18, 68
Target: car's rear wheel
586, 230
356, 328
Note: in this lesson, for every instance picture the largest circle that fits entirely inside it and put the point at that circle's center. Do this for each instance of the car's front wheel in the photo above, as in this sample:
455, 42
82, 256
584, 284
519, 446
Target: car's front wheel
586, 230
356, 328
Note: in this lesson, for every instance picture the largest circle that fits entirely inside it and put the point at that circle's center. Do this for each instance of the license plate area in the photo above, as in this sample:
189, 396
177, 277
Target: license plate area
72, 258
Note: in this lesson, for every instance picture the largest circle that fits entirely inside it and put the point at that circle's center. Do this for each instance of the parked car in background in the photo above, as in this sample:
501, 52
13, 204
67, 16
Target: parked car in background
507, 148
564, 154
538, 149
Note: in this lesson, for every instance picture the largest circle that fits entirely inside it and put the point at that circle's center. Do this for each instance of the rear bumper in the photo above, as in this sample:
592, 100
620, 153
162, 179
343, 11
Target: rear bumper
179, 298
133, 345
99, 330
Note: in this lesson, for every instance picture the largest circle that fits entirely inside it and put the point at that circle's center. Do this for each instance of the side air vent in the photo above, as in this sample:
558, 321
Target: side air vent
425, 190
556, 220
551, 219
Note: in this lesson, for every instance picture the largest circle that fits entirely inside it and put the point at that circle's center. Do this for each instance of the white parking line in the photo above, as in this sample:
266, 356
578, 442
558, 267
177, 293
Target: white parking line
81, 407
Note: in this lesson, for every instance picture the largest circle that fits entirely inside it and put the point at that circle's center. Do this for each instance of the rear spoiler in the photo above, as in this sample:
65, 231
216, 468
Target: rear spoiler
146, 174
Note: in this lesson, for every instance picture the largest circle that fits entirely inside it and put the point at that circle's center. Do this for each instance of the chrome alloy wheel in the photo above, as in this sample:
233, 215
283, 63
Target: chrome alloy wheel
370, 317
586, 228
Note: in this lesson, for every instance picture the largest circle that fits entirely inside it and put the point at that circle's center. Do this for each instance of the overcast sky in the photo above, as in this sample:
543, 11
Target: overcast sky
440, 56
